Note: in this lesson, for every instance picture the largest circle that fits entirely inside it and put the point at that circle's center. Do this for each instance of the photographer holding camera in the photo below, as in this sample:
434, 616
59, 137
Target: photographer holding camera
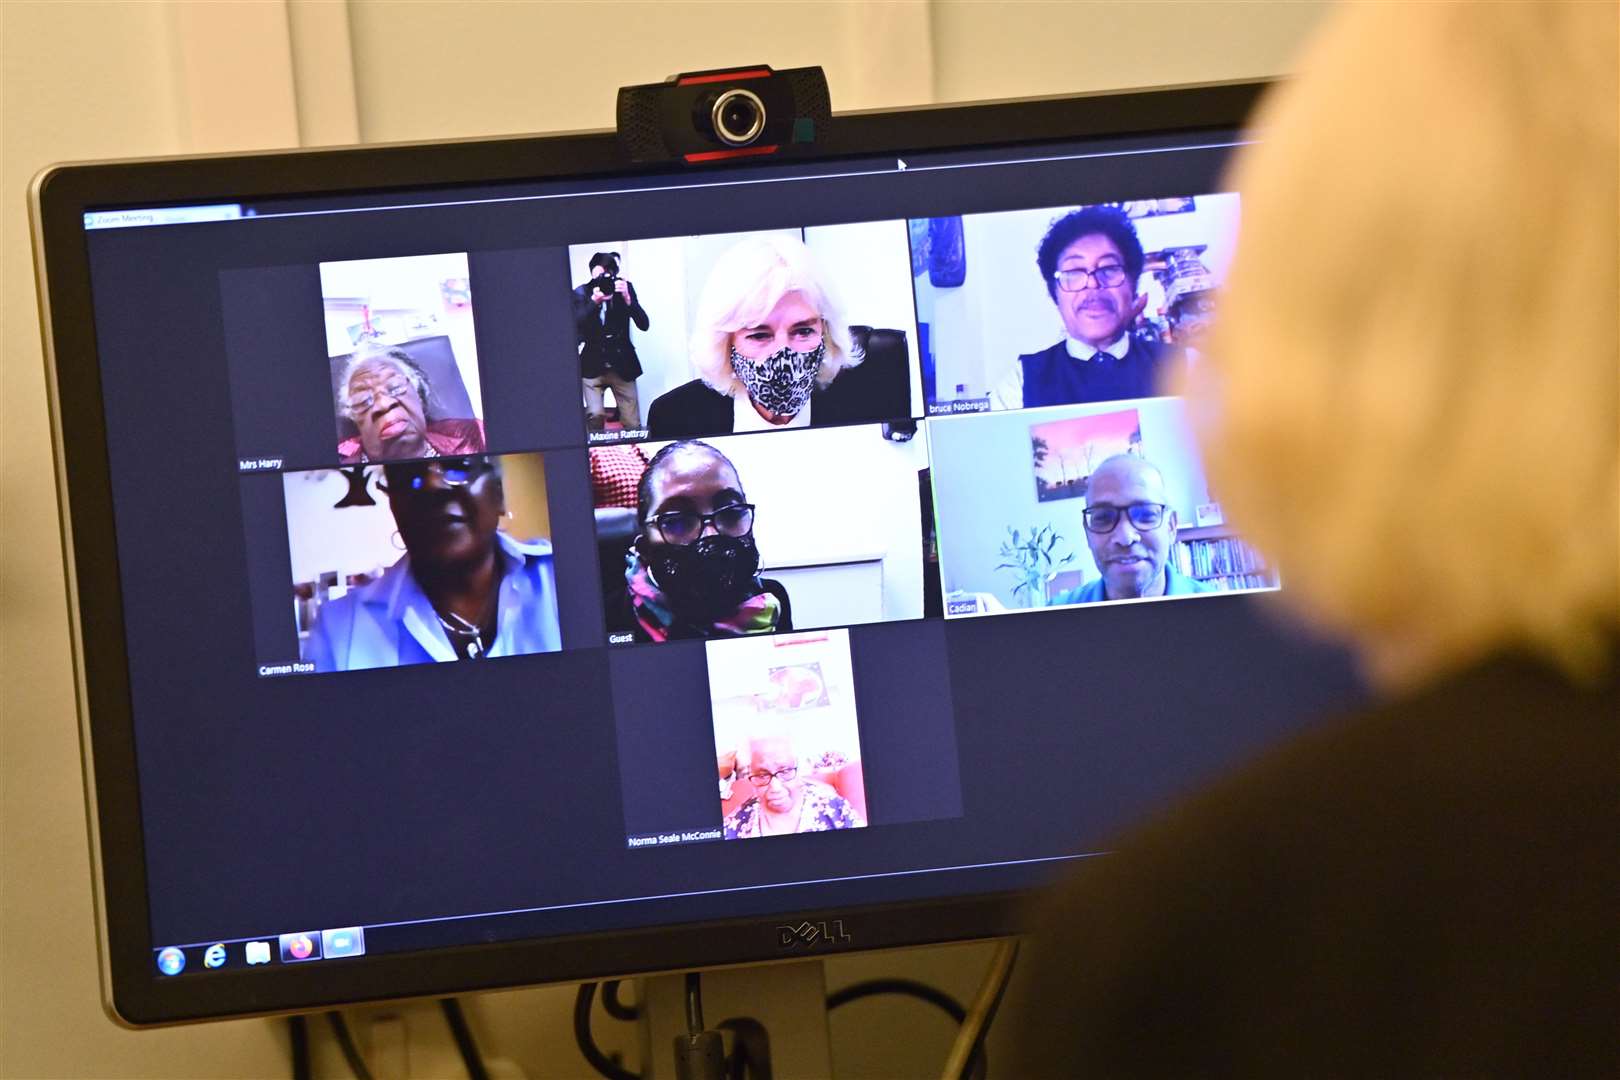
604, 307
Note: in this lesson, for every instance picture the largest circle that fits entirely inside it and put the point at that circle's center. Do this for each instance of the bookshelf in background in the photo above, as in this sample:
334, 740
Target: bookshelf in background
1215, 555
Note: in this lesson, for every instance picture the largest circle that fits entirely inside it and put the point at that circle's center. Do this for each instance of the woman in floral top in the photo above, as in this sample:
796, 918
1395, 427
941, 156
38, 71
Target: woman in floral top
784, 801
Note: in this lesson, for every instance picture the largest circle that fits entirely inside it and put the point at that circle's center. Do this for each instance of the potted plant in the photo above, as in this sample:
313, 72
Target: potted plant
1032, 557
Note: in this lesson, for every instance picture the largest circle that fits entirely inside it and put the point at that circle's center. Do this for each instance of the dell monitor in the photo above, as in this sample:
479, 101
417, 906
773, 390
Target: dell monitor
524, 561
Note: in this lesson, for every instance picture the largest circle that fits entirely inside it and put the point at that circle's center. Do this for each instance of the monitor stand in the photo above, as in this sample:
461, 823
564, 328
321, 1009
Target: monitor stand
789, 999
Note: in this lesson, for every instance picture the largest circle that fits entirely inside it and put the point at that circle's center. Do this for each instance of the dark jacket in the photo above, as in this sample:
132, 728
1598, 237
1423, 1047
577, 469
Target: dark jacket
604, 339
695, 409
1427, 890
1053, 377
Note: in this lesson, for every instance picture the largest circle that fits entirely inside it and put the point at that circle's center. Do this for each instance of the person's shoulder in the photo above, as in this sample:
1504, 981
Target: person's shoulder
690, 393
1152, 351
1185, 584
456, 435
619, 614
1089, 593
1051, 352
333, 633
785, 622
336, 614
739, 818
690, 410
1422, 833
529, 551
833, 811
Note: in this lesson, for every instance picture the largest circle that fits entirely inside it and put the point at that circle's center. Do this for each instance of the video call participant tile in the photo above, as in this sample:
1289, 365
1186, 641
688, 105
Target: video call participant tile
1070, 305
698, 336
819, 731
760, 534
1080, 505
359, 360
786, 735
442, 560
403, 357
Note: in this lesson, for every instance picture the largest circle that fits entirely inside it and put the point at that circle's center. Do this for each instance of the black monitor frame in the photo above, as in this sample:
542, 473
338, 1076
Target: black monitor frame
61, 195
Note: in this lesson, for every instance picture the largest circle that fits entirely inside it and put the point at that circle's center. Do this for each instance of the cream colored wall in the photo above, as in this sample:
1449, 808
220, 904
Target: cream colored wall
90, 80
1020, 49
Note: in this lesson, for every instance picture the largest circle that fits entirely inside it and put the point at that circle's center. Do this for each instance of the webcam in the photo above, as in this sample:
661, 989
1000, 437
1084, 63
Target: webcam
709, 116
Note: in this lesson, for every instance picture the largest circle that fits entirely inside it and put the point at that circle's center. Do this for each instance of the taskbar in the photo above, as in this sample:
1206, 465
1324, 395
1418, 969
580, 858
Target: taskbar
338, 944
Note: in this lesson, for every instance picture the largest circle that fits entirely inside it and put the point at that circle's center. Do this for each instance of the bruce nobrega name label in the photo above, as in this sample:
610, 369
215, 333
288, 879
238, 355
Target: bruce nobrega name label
664, 839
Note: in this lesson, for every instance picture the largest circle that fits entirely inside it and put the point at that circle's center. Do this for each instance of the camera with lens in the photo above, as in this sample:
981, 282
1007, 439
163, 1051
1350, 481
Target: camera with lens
707, 116
603, 283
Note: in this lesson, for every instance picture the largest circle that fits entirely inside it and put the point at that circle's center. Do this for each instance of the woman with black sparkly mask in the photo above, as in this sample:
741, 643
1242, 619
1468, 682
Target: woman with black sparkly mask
693, 571
768, 343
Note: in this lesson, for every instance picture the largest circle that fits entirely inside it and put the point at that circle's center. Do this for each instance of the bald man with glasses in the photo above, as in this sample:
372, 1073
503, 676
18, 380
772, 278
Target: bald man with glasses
1131, 531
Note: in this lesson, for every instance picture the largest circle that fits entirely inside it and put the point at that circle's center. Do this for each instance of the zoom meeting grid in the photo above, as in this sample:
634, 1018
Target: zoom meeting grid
519, 511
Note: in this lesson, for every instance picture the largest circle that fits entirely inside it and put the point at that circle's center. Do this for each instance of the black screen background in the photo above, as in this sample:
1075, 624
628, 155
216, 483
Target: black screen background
415, 793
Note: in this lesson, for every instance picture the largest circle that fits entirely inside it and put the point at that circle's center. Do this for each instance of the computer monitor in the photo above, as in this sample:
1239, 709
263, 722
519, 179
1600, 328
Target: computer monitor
494, 563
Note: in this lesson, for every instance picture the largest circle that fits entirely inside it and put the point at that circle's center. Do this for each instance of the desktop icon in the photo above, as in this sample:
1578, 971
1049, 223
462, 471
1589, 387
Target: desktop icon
171, 961
214, 956
258, 952
349, 941
295, 947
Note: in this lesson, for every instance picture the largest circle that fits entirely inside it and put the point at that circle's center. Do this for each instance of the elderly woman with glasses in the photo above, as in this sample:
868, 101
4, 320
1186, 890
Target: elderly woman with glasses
463, 590
693, 570
784, 800
391, 402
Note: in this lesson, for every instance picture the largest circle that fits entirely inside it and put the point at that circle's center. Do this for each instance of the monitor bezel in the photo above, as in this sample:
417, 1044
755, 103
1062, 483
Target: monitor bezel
59, 197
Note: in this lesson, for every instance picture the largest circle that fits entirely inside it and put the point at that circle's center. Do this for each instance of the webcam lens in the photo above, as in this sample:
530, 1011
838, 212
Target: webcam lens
739, 117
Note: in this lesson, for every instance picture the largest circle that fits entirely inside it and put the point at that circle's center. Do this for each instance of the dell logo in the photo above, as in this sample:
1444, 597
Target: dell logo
811, 934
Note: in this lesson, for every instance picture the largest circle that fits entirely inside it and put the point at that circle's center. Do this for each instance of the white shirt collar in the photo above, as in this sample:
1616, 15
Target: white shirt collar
1081, 351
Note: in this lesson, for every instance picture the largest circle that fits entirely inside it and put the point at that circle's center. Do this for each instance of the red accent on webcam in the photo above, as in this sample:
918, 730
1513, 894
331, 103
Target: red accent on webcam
720, 155
722, 76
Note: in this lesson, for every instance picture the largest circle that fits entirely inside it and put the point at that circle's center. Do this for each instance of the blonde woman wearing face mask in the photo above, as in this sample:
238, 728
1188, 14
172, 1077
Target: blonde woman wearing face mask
771, 348
1410, 400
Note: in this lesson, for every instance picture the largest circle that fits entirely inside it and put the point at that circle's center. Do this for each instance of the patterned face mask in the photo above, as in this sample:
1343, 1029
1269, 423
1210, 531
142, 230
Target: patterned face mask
780, 383
708, 578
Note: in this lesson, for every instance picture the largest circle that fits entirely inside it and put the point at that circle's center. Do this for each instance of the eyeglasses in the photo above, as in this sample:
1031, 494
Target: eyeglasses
451, 471
361, 403
1143, 516
1104, 277
762, 779
685, 526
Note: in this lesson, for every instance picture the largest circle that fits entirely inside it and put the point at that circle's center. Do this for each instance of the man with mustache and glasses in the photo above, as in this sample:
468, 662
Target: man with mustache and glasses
1131, 531
1091, 261
463, 590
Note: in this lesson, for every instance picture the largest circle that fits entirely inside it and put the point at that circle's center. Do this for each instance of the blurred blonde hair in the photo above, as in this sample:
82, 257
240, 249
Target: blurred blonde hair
1410, 395
744, 285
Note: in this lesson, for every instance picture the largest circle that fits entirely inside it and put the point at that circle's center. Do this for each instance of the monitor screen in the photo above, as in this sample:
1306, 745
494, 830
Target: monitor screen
506, 565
